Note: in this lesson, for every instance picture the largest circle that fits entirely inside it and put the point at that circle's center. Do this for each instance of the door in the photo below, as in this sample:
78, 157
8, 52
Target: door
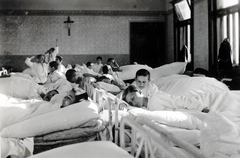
147, 43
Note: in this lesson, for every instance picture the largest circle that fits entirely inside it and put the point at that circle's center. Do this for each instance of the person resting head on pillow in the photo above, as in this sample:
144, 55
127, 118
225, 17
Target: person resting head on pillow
71, 97
161, 101
48, 96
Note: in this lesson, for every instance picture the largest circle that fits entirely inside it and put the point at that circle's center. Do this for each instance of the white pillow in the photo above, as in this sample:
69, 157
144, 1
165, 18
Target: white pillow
129, 71
170, 118
109, 87
167, 70
65, 118
20, 87
182, 85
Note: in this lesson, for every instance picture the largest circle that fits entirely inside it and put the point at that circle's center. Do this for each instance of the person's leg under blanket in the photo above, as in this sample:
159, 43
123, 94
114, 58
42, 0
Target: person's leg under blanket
16, 148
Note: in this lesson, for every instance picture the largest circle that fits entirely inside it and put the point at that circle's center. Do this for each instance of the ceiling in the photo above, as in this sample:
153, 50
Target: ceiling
112, 5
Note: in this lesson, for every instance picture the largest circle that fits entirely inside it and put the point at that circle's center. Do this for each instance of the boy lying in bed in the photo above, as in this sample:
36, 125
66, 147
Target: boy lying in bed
161, 101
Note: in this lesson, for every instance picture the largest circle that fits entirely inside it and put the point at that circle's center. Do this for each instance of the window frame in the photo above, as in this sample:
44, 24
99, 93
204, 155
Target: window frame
177, 25
214, 14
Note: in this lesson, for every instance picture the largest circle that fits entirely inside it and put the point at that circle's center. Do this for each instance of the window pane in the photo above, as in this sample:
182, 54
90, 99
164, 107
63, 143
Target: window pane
182, 10
236, 39
226, 3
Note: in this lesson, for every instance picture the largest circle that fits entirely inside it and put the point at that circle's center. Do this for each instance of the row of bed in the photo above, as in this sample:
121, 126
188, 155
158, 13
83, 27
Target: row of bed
99, 126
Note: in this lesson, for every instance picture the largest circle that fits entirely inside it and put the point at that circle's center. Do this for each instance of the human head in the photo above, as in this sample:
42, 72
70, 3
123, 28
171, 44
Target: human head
105, 69
69, 99
71, 75
110, 61
142, 78
133, 96
51, 50
73, 96
89, 65
53, 65
49, 95
40, 58
99, 60
59, 59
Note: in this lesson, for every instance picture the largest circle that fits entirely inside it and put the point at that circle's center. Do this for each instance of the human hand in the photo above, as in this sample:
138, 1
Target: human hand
205, 110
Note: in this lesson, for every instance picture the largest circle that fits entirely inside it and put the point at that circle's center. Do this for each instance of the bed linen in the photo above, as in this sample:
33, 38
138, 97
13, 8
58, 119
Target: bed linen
14, 110
16, 87
182, 85
16, 147
129, 71
95, 149
220, 136
61, 119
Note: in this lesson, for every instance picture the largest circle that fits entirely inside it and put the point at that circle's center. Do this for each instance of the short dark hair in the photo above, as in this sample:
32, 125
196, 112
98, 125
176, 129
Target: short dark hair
129, 89
39, 56
70, 74
89, 64
99, 58
60, 58
51, 49
110, 59
105, 69
54, 64
143, 72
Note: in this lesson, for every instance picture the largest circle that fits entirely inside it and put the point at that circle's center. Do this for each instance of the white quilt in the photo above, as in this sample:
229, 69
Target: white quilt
182, 85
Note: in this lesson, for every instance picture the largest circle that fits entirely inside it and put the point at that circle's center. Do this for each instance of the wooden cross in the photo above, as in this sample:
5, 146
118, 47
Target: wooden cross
68, 22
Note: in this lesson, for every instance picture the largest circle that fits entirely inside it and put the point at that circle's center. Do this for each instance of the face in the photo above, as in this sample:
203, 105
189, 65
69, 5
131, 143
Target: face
74, 78
68, 99
41, 59
49, 95
135, 99
99, 61
51, 69
142, 81
58, 61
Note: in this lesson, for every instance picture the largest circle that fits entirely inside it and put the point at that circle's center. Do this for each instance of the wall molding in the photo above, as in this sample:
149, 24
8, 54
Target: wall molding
80, 12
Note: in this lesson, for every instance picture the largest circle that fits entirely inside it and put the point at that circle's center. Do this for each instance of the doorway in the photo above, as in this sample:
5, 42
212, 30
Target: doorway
147, 43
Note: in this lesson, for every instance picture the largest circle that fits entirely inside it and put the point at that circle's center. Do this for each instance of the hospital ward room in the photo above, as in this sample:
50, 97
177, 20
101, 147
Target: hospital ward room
124, 78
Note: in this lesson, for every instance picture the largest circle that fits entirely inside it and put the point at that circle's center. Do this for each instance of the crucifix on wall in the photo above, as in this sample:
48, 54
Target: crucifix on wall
69, 22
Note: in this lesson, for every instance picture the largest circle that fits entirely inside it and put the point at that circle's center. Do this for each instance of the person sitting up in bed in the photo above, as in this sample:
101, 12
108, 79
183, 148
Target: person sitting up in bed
106, 70
97, 66
144, 84
61, 67
114, 65
39, 68
54, 74
161, 101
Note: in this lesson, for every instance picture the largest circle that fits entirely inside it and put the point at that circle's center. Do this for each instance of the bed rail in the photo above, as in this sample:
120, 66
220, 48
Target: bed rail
154, 140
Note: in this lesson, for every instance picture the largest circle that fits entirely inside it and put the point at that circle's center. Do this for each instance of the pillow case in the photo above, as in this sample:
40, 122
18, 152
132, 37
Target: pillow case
129, 71
109, 87
171, 118
65, 118
167, 70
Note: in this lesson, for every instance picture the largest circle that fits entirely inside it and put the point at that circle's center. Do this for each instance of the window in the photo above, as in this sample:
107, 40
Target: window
183, 31
182, 10
224, 23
